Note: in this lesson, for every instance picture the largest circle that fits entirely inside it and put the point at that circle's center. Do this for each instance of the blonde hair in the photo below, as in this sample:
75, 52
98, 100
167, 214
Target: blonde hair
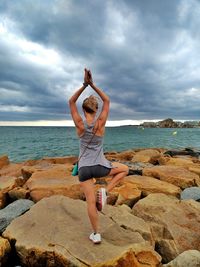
90, 104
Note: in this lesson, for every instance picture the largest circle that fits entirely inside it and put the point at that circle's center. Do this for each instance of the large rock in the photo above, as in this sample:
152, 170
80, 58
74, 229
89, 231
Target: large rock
122, 216
5, 250
4, 160
120, 156
47, 164
127, 194
55, 233
147, 156
60, 160
18, 193
13, 169
53, 181
174, 175
195, 169
191, 193
184, 162
190, 258
150, 185
12, 211
51, 160
8, 183
3, 199
175, 224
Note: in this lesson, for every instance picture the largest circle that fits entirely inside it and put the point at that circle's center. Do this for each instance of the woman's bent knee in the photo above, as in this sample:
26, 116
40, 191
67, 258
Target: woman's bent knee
119, 168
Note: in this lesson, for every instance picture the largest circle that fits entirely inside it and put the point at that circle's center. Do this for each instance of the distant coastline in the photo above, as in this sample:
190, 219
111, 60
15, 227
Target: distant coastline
170, 123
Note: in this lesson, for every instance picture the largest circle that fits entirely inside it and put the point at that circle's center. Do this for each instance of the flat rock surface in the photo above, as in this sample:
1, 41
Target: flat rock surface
172, 174
54, 232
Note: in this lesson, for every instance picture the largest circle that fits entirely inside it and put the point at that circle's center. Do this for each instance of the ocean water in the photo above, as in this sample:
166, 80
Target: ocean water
23, 143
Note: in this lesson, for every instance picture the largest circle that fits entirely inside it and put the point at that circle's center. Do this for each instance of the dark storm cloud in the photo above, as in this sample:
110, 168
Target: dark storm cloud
144, 54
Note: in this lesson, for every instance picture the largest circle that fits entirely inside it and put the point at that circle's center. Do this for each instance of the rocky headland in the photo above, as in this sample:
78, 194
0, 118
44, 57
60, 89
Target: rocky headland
170, 123
151, 220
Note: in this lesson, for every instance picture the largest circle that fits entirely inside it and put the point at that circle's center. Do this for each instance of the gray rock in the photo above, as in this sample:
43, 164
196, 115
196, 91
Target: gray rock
12, 211
191, 193
189, 258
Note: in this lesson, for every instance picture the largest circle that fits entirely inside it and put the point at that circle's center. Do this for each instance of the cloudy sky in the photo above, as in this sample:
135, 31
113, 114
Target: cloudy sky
143, 53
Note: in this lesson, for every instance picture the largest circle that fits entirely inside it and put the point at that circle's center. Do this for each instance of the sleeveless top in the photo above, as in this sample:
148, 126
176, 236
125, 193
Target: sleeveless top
93, 154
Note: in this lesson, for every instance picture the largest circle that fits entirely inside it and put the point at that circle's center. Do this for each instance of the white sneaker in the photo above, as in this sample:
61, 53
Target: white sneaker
101, 198
95, 238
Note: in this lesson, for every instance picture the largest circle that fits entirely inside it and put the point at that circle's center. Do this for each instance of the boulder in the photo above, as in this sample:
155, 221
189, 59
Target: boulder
181, 161
54, 232
147, 156
189, 258
185, 152
195, 169
5, 250
13, 169
127, 194
18, 193
60, 160
191, 193
51, 160
4, 161
53, 181
3, 199
43, 165
120, 156
123, 217
175, 224
7, 183
12, 211
150, 185
175, 175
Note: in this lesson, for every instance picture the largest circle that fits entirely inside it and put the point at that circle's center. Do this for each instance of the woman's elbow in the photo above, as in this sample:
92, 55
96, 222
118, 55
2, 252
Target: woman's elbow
107, 99
70, 101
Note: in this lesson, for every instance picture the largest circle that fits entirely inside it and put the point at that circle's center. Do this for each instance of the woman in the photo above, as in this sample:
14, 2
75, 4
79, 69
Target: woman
92, 162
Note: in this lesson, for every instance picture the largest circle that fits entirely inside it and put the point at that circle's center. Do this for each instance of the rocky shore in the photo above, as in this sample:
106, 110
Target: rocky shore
170, 123
151, 220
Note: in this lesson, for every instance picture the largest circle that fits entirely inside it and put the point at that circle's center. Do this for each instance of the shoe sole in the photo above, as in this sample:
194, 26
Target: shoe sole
99, 206
96, 243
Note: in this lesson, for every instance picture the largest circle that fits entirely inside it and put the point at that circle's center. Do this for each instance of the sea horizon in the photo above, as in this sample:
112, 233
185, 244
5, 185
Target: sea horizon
70, 123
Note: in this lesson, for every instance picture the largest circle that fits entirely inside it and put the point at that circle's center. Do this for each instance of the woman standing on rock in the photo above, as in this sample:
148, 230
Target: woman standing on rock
92, 162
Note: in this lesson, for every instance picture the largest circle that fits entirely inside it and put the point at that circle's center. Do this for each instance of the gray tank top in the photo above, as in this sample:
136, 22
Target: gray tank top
93, 154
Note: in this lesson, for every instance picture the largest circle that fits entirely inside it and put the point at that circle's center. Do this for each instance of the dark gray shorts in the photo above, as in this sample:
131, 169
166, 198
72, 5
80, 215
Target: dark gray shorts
89, 172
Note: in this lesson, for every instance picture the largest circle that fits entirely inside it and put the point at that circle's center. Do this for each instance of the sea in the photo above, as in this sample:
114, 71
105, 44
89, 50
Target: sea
22, 143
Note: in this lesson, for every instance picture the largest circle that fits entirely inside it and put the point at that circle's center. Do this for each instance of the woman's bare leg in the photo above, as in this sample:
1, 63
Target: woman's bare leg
118, 172
88, 189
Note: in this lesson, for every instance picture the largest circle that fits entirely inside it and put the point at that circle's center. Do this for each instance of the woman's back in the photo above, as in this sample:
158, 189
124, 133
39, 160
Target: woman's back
91, 148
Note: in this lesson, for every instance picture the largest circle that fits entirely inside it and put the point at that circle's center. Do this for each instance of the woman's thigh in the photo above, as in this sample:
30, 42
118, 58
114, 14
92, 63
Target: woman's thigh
118, 168
88, 189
